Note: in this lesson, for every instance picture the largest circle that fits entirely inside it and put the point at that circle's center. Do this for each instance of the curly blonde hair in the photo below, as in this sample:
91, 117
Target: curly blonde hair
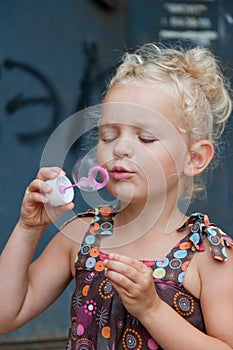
204, 92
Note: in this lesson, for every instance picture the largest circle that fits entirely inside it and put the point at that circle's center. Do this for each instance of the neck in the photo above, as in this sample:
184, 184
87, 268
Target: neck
137, 219
163, 215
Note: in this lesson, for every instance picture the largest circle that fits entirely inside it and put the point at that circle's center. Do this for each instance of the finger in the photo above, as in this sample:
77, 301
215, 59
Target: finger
35, 197
132, 262
121, 290
47, 173
64, 208
61, 208
126, 270
39, 186
55, 212
119, 281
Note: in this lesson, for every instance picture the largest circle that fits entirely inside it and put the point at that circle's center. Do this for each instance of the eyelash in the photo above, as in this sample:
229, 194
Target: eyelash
145, 140
109, 136
108, 139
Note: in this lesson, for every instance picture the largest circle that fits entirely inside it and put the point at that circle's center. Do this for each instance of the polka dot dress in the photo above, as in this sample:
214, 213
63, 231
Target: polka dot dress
98, 318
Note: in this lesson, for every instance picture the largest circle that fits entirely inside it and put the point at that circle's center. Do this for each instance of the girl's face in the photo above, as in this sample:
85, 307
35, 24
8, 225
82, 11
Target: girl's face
140, 143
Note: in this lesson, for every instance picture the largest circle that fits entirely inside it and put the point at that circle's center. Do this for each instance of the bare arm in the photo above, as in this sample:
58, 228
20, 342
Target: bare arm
27, 289
134, 282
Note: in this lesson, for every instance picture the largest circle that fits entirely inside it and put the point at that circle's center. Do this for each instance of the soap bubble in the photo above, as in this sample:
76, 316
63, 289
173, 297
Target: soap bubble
89, 176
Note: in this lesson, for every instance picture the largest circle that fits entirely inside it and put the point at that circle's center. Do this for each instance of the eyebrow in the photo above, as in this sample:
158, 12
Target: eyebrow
155, 128
139, 125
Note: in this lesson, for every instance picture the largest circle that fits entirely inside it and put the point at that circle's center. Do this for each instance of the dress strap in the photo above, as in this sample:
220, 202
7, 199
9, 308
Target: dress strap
200, 228
102, 222
89, 255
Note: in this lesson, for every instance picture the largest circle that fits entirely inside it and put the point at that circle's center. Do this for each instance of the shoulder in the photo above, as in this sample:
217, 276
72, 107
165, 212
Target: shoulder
216, 278
213, 261
209, 263
216, 274
76, 227
215, 269
100, 218
71, 235
202, 230
215, 245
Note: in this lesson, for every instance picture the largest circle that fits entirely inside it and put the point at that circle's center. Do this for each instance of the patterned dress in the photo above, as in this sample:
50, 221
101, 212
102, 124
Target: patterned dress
99, 320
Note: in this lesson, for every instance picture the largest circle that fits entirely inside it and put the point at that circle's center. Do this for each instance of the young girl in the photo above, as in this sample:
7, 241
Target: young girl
147, 276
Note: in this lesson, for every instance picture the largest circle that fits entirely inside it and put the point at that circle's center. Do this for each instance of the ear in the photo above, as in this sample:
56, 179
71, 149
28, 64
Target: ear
200, 155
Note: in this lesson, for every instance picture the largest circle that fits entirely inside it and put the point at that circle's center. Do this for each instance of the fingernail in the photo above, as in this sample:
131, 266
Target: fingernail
47, 188
54, 173
105, 262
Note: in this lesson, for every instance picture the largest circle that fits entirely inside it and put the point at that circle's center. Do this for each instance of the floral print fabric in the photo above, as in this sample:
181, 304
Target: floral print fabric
99, 320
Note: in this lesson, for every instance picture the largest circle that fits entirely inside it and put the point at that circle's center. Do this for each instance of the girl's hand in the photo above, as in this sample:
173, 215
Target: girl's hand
36, 210
134, 282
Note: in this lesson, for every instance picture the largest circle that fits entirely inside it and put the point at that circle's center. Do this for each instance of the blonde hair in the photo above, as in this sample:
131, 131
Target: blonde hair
202, 88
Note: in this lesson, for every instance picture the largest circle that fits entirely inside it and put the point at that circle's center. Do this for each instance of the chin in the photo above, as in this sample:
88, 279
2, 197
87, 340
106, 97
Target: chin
123, 191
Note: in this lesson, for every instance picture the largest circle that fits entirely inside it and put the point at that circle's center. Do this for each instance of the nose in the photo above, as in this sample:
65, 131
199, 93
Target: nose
123, 148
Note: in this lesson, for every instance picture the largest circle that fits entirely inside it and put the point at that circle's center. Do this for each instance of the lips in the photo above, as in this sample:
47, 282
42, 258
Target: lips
121, 173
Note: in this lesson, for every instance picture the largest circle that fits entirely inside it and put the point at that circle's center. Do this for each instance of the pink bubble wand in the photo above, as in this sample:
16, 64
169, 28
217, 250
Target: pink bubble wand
89, 183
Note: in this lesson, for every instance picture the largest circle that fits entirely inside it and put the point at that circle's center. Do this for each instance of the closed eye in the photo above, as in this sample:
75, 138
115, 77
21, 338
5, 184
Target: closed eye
145, 136
147, 139
108, 137
108, 133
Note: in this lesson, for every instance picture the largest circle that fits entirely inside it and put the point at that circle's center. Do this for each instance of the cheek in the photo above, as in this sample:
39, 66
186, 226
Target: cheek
102, 154
155, 177
173, 157
172, 168
122, 190
163, 167
98, 156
